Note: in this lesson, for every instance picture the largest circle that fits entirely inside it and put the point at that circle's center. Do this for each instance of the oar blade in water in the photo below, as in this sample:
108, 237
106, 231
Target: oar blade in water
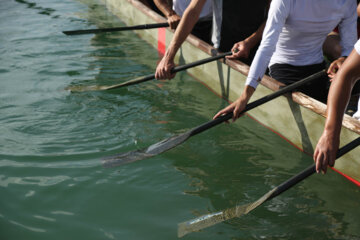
211, 219
109, 87
85, 88
155, 149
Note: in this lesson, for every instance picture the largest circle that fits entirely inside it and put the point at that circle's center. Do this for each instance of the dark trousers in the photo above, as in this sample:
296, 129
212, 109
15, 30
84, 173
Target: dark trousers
289, 74
202, 30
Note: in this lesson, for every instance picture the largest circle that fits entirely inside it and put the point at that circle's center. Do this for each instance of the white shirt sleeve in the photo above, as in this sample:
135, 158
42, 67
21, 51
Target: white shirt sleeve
357, 47
348, 31
278, 13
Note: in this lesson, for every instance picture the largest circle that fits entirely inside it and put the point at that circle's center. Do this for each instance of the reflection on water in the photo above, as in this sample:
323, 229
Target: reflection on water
52, 185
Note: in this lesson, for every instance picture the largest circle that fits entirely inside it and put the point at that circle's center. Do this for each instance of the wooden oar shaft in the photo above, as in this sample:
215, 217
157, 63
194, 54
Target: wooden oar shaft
116, 29
259, 102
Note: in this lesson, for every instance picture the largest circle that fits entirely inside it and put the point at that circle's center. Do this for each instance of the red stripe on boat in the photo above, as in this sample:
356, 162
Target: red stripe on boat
347, 177
161, 41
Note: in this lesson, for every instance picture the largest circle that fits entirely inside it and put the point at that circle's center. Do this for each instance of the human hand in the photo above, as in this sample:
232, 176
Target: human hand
335, 66
325, 151
236, 107
173, 21
163, 70
240, 50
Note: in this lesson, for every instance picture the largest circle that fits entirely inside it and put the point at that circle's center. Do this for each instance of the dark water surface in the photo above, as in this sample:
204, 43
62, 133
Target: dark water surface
52, 184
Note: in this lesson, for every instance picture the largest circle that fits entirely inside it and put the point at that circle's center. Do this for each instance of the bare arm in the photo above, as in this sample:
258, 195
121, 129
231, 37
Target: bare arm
239, 105
338, 99
242, 49
187, 23
165, 6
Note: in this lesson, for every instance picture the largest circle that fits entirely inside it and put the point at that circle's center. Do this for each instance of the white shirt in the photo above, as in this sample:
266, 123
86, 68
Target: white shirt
357, 47
296, 30
179, 6
217, 6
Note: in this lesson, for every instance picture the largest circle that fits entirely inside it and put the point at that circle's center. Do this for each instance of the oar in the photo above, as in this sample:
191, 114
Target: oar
218, 217
147, 77
116, 29
172, 142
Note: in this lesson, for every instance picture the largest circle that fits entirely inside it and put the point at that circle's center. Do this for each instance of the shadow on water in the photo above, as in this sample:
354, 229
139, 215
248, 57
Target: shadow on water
44, 11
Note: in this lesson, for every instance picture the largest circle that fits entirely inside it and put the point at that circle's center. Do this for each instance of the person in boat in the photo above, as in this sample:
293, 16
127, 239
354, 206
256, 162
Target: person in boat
233, 21
339, 94
173, 10
292, 45
332, 47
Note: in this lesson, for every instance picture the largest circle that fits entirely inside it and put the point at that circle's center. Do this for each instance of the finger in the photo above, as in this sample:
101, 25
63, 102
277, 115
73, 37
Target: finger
332, 160
172, 24
236, 113
318, 163
219, 114
331, 69
223, 111
316, 153
167, 73
231, 57
158, 74
233, 49
325, 163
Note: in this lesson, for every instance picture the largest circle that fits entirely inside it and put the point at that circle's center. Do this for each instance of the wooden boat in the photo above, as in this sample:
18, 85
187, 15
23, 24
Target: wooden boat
304, 116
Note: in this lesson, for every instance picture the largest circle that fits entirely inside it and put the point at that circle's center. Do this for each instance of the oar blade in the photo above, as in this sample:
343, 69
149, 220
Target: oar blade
86, 88
211, 219
110, 87
153, 150
200, 223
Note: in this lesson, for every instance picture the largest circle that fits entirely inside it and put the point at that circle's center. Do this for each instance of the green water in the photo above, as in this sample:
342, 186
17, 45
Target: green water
52, 184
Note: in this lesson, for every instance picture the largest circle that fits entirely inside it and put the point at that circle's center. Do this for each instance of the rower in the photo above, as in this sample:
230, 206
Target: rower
233, 21
292, 45
173, 10
340, 91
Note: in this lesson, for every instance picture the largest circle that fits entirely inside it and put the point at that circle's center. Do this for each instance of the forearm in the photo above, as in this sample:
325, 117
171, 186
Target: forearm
187, 23
255, 38
338, 98
247, 93
165, 7
340, 92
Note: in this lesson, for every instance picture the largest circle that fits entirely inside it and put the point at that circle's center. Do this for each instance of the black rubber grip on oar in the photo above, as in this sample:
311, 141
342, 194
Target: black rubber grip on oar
116, 29
311, 170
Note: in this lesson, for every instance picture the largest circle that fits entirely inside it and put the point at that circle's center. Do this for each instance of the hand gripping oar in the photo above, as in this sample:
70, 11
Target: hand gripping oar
172, 142
218, 217
116, 29
147, 77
